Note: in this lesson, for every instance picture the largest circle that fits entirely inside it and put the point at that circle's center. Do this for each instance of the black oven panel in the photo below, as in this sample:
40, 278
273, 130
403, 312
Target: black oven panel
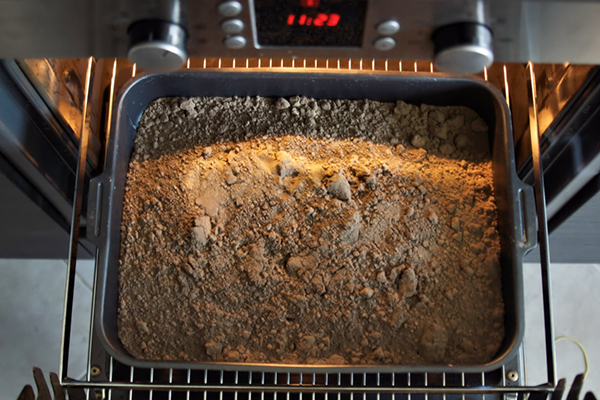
309, 23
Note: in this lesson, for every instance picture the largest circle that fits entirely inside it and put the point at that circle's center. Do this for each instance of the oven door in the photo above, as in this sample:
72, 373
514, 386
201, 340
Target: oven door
38, 154
569, 117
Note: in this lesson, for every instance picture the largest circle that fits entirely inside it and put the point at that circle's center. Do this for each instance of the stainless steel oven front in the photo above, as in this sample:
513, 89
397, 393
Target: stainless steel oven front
65, 64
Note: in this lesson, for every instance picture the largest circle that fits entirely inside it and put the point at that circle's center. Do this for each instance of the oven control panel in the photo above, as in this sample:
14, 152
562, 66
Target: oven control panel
458, 35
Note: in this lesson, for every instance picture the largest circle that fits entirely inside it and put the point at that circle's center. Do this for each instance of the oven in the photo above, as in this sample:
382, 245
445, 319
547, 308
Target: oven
67, 66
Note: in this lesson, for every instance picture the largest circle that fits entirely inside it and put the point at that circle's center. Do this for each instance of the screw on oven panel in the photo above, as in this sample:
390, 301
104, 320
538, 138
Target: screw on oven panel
98, 395
95, 370
512, 375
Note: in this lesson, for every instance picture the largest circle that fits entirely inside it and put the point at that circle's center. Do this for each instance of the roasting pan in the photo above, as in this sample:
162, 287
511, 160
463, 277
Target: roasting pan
515, 203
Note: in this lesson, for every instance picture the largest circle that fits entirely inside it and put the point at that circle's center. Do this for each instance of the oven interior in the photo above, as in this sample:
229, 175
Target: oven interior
81, 95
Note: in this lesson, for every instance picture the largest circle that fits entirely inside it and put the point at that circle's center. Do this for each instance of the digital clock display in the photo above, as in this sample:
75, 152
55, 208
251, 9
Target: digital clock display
310, 23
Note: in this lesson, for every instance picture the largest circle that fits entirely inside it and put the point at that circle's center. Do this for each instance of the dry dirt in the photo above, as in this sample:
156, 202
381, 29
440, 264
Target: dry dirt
303, 231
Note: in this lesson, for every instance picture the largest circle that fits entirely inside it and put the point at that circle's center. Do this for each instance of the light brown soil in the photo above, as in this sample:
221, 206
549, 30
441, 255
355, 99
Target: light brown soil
303, 231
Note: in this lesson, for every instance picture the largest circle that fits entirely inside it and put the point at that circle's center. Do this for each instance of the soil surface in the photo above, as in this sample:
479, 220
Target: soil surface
310, 231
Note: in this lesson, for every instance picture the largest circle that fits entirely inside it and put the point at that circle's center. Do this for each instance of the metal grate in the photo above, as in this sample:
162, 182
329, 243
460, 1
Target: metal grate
108, 378
136, 383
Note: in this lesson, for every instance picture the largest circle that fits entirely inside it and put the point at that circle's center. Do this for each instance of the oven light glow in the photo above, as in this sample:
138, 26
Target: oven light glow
320, 20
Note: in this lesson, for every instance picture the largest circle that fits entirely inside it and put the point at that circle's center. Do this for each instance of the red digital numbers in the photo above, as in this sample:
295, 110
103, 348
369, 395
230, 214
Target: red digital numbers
320, 20
333, 19
310, 3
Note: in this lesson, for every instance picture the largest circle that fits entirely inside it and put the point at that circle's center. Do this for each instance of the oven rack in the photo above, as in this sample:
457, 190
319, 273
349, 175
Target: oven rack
136, 383
110, 379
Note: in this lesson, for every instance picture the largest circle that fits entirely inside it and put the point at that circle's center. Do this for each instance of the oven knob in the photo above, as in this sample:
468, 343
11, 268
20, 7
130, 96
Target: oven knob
157, 45
464, 47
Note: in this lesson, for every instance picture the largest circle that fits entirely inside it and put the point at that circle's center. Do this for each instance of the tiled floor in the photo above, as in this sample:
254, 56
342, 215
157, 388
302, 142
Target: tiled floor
31, 295
576, 314
31, 298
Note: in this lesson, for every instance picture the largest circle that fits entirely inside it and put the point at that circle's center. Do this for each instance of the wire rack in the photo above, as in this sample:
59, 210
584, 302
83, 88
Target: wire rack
107, 378
204, 384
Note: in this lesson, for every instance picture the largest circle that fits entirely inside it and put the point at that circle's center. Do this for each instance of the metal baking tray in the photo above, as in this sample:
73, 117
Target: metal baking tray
516, 213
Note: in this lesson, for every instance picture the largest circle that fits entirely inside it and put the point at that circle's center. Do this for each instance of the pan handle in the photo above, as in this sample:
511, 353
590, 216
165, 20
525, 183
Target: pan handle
528, 220
96, 209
